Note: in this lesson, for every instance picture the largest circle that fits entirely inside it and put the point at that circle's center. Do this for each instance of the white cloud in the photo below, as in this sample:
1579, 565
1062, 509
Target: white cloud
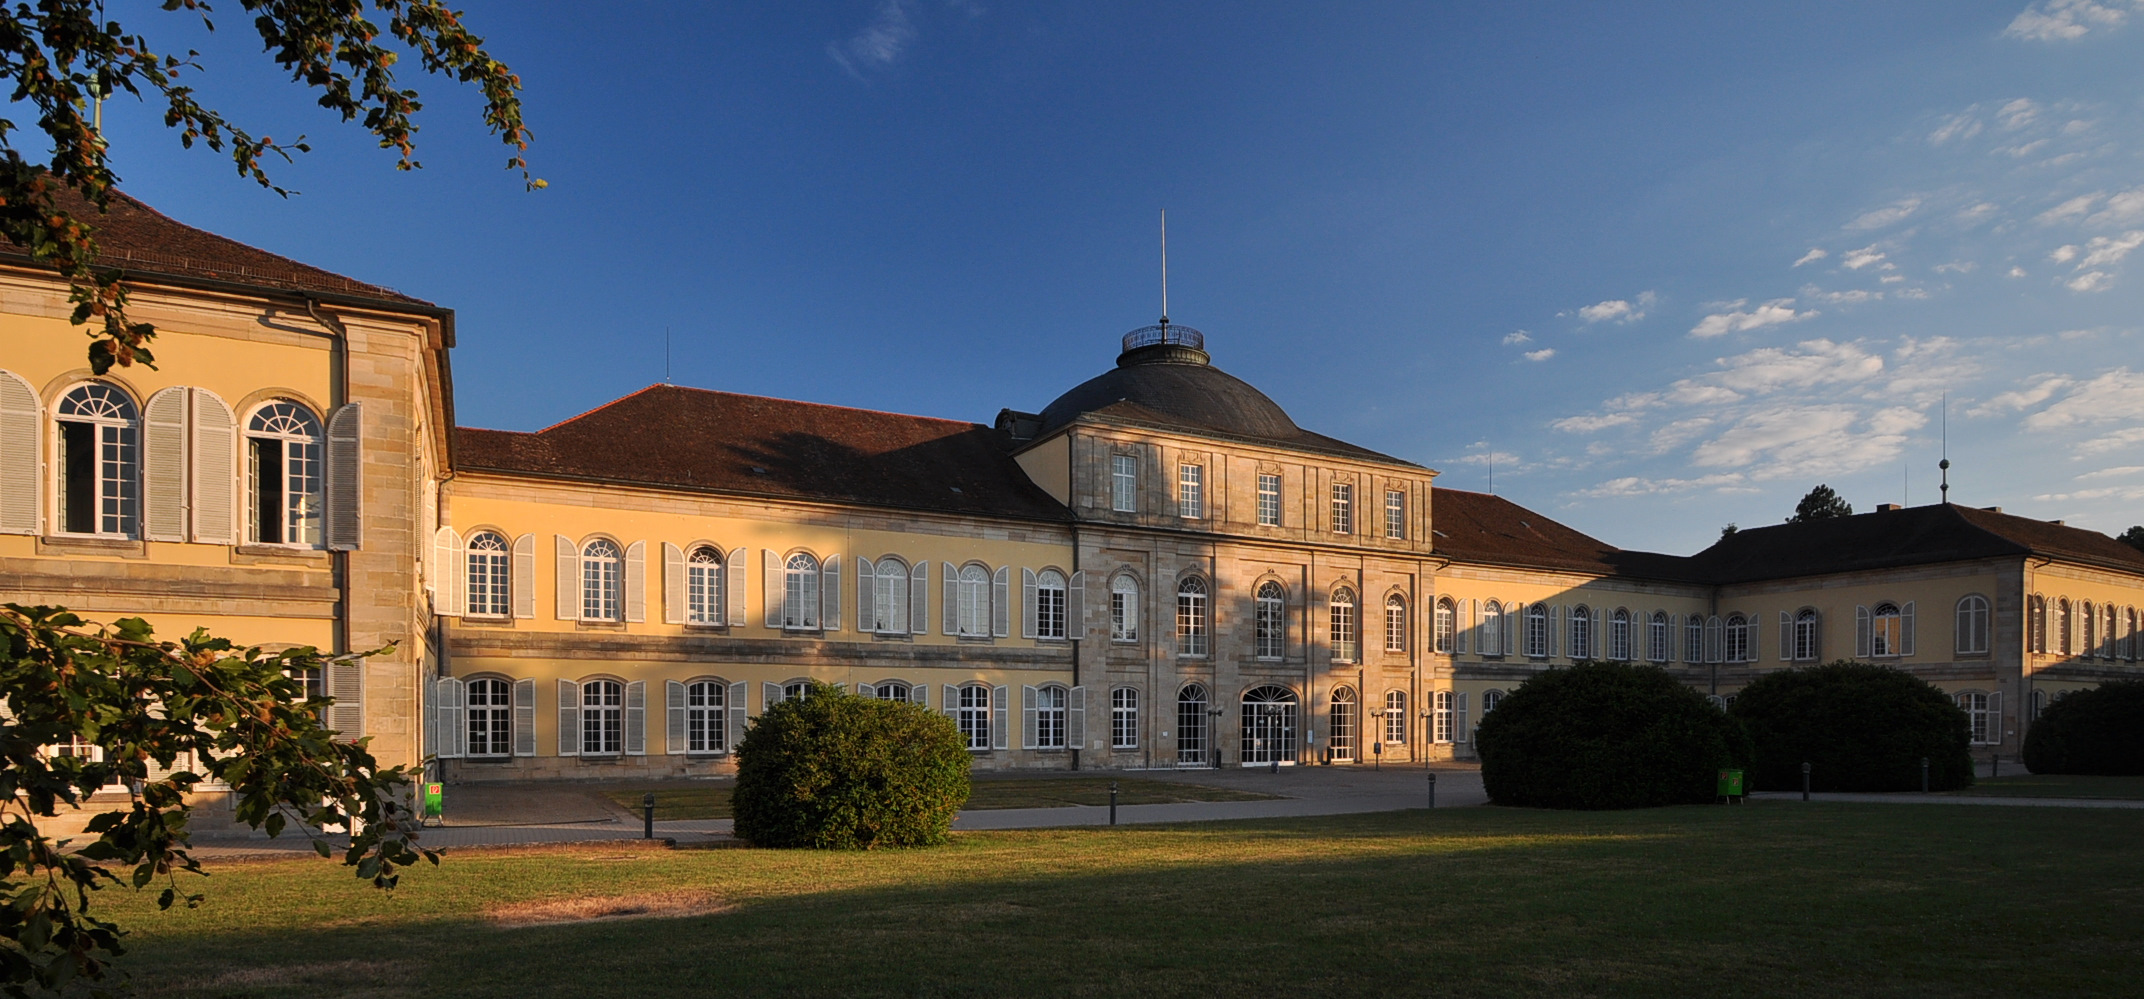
1593, 424
1857, 259
2112, 442
2106, 250
1897, 420
1617, 310
2023, 149
1806, 365
879, 44
2117, 472
2016, 272
1541, 355
2104, 492
1976, 212
2089, 281
2063, 254
2075, 208
2116, 396
1811, 257
1796, 441
1726, 482
2122, 209
1516, 337
1853, 297
1887, 215
2043, 388
2017, 114
2064, 20
1956, 267
1772, 313
1958, 126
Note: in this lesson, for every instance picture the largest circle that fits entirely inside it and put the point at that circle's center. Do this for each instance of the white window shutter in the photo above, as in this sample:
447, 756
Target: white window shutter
949, 701
163, 471
1995, 717
569, 718
1511, 628
738, 715
951, 611
524, 582
919, 599
1555, 631
1596, 637
446, 703
774, 579
636, 582
450, 574
1076, 607
998, 710
920, 695
1027, 717
734, 586
1756, 641
1027, 604
432, 699
456, 727
866, 690
1076, 719
345, 486
569, 578
1861, 632
1786, 637
673, 584
21, 423
770, 694
830, 593
346, 684
1905, 629
1464, 611
866, 598
214, 476
636, 718
1459, 731
1001, 602
524, 717
674, 717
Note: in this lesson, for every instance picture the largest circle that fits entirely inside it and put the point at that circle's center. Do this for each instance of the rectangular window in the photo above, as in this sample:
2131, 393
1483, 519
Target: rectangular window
1191, 491
974, 717
1269, 501
1395, 513
1444, 717
1124, 483
1343, 508
1124, 718
1050, 718
1049, 611
704, 731
602, 718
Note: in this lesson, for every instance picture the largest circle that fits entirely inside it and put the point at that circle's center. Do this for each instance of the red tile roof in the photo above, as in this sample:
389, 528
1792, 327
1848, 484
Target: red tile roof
1491, 530
666, 436
1911, 536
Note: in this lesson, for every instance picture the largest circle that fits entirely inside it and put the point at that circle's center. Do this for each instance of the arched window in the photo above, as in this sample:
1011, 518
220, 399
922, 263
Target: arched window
1444, 716
796, 690
284, 477
1343, 606
2110, 636
1344, 724
1972, 635
1050, 703
1124, 718
2130, 651
1581, 631
704, 599
1805, 635
2037, 608
1492, 629
1715, 639
1269, 725
1985, 724
2063, 626
705, 732
972, 713
1693, 639
2039, 703
889, 596
602, 573
1191, 623
1395, 717
1270, 624
602, 718
1124, 609
1738, 650
1192, 742
491, 573
897, 691
1658, 643
1395, 623
1619, 635
491, 717
1490, 699
972, 609
2089, 646
1447, 626
99, 461
1885, 631
1049, 604
800, 593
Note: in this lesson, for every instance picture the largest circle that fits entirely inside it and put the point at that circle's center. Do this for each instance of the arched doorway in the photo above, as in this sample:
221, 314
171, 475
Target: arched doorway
1346, 722
1268, 726
1194, 740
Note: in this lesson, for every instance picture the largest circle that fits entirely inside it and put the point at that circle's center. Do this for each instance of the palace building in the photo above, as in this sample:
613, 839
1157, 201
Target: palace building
1159, 568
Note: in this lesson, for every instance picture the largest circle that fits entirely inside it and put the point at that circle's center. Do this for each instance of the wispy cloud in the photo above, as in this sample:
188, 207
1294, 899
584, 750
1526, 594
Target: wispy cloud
2099, 251
1887, 215
1541, 355
1516, 337
2066, 20
1963, 125
2113, 397
1772, 313
1811, 257
878, 45
1617, 310
1857, 259
1725, 482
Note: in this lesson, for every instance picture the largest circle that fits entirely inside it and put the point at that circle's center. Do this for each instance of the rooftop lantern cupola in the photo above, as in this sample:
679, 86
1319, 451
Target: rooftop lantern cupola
1163, 342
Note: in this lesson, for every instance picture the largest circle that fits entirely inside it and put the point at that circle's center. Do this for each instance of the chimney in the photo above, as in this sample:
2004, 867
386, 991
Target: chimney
1887, 507
1993, 509
2059, 523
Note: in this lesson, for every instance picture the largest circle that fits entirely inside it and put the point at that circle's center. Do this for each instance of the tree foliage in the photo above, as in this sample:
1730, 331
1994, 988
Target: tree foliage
2133, 537
1820, 504
1859, 726
835, 771
1606, 735
200, 708
2095, 731
63, 55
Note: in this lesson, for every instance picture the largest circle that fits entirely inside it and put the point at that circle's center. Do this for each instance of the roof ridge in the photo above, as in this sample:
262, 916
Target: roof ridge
969, 424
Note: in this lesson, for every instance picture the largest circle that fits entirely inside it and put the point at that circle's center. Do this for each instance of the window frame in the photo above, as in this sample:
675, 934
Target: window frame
705, 583
1124, 609
1397, 623
1194, 607
1537, 625
1620, 632
1269, 627
1737, 649
602, 581
296, 453
1343, 732
111, 481
1659, 637
971, 609
1191, 491
712, 736
1050, 605
1268, 500
1123, 483
488, 576
1052, 719
1445, 626
1346, 626
1124, 717
1885, 641
1396, 514
801, 607
602, 724
495, 718
1395, 718
1489, 633
1343, 508
973, 719
1973, 618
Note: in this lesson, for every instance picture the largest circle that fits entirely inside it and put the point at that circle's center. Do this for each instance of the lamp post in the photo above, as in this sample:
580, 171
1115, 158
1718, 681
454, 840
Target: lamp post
1805, 782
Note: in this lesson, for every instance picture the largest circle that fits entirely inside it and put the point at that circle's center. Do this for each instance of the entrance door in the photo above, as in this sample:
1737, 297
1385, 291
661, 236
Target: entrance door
1269, 726
1193, 741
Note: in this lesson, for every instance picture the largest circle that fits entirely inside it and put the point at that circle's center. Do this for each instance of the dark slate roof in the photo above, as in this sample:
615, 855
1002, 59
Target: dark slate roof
1491, 530
665, 436
1910, 536
140, 240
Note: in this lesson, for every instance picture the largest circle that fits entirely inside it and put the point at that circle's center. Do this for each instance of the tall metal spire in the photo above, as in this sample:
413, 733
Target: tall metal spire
1945, 463
1164, 267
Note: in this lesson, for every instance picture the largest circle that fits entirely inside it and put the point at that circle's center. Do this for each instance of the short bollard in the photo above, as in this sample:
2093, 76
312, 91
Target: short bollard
647, 815
1805, 782
1924, 775
1432, 790
1112, 802
1996, 761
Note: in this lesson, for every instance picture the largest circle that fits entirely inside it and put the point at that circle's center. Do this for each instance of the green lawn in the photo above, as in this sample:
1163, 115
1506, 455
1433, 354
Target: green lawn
1771, 898
679, 800
2058, 786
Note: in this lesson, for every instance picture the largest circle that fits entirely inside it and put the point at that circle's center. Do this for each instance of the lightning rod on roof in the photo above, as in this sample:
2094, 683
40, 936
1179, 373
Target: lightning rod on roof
1165, 268
1945, 463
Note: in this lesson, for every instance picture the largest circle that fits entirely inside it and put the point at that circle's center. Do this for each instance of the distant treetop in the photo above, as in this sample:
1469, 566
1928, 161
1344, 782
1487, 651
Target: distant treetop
1821, 504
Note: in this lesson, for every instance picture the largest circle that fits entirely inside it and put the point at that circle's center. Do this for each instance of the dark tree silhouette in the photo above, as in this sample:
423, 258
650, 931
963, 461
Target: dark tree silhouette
1820, 504
2133, 537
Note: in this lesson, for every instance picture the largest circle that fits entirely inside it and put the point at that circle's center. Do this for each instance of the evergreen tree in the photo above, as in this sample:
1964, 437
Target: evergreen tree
2133, 537
1820, 504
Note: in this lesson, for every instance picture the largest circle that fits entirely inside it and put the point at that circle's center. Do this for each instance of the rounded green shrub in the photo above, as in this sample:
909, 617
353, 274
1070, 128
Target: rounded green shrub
834, 771
1859, 726
2096, 731
1606, 735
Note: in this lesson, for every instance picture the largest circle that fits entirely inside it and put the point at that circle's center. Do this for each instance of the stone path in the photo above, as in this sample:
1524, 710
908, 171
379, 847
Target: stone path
1917, 798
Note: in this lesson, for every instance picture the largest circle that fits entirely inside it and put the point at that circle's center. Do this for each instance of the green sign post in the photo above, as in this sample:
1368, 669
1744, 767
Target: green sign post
435, 802
1730, 787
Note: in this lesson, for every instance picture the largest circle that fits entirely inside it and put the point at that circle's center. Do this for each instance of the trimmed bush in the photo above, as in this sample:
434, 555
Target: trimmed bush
1860, 727
1606, 735
2096, 731
834, 771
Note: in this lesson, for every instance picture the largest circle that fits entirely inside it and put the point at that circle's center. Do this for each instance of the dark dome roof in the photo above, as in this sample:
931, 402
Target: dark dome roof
1176, 380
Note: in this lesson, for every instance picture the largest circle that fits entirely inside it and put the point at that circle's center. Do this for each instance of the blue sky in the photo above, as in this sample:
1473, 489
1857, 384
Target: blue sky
1664, 266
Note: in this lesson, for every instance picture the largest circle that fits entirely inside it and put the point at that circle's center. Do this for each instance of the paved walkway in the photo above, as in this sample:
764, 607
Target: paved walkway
1917, 798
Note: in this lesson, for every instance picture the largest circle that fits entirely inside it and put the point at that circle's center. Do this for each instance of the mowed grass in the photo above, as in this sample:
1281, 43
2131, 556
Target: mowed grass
1766, 899
678, 800
2058, 786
